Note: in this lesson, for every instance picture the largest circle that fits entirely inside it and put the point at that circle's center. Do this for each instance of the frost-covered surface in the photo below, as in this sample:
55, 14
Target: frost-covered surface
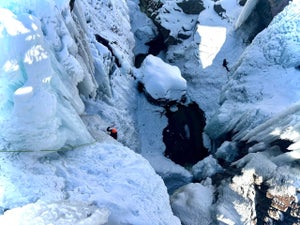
108, 175
161, 80
192, 203
59, 213
206, 168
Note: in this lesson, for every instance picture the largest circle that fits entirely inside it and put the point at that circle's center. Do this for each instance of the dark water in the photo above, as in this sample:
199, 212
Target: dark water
183, 135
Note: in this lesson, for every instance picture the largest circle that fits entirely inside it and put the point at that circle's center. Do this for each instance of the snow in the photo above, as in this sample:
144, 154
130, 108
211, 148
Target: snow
106, 174
206, 168
161, 80
200, 57
192, 203
59, 213
212, 40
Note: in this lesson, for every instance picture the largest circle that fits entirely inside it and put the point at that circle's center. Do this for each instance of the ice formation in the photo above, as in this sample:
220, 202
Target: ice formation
40, 103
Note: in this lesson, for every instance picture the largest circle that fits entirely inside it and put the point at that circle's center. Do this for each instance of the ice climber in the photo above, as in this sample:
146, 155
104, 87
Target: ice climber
225, 63
112, 132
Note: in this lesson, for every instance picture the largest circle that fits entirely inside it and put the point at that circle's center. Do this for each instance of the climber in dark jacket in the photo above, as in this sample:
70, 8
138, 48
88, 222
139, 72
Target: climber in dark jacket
112, 132
225, 63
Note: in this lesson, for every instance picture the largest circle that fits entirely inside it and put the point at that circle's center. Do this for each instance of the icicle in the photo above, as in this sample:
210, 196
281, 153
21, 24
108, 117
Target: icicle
247, 10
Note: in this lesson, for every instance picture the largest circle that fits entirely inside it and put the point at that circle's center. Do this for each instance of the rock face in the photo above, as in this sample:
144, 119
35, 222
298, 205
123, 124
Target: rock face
219, 9
150, 7
191, 6
242, 2
268, 200
278, 5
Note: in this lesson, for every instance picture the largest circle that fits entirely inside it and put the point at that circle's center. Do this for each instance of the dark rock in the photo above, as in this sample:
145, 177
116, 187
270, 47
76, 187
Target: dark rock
277, 6
157, 44
139, 60
242, 2
183, 36
219, 10
191, 6
150, 7
71, 4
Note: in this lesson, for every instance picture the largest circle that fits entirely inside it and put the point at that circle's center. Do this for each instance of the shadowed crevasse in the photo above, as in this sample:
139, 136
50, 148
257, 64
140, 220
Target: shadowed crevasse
183, 135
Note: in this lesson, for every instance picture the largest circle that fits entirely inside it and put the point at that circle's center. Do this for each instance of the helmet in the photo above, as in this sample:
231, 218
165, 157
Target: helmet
113, 130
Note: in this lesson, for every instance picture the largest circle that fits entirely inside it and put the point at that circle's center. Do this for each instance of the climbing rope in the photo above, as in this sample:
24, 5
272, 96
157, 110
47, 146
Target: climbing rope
65, 148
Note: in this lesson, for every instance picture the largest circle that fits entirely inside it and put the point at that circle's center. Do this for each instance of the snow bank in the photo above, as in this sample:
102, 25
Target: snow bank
161, 80
58, 213
206, 168
193, 204
110, 176
174, 175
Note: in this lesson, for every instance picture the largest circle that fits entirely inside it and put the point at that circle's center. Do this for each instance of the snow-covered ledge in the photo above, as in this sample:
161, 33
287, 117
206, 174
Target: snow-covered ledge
161, 80
107, 175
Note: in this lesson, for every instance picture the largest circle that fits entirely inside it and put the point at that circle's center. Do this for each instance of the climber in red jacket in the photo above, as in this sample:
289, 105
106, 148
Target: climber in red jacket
112, 132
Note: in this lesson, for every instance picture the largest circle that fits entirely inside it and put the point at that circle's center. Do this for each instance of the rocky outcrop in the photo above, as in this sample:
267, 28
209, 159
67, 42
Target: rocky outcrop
150, 7
242, 2
191, 6
268, 201
219, 10
277, 6
162, 15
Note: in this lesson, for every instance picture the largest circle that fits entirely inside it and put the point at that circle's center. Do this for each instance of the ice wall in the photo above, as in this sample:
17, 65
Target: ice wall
264, 84
45, 66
